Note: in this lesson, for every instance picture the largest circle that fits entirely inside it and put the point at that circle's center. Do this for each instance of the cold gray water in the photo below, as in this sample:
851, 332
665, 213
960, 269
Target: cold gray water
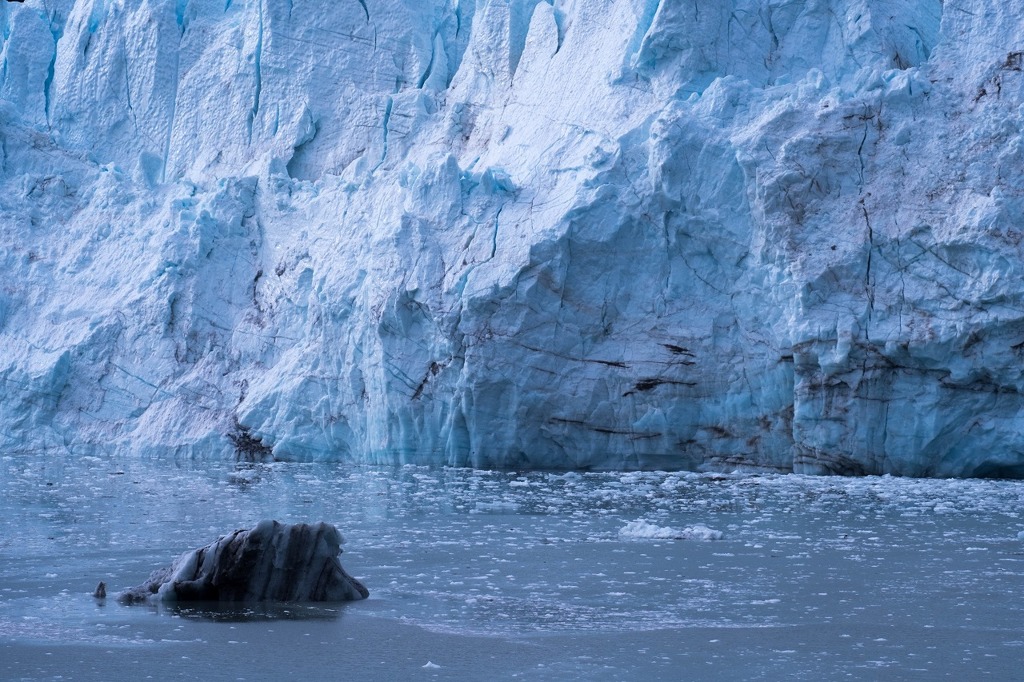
497, 575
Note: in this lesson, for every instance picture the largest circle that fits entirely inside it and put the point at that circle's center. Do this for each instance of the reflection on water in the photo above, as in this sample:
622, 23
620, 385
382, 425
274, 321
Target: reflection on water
237, 613
812, 576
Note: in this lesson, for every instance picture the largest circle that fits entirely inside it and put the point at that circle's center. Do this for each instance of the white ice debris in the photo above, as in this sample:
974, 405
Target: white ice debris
643, 530
750, 234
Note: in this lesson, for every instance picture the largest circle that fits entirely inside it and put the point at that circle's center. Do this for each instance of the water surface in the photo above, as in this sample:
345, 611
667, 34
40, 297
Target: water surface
509, 575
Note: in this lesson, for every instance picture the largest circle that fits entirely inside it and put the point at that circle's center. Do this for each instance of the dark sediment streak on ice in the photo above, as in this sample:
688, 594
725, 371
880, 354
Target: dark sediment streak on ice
271, 562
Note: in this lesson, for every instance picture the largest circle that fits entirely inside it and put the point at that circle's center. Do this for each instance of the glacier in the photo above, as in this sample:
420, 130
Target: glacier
615, 234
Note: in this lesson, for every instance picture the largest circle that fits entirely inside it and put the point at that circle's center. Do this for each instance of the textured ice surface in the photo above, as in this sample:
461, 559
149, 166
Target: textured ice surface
815, 577
623, 234
269, 562
643, 530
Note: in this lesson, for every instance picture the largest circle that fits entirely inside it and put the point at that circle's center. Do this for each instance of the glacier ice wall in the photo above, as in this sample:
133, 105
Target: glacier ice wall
517, 233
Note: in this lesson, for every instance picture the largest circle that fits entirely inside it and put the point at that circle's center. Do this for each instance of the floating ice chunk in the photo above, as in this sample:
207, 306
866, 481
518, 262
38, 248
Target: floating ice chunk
642, 530
496, 507
271, 562
431, 665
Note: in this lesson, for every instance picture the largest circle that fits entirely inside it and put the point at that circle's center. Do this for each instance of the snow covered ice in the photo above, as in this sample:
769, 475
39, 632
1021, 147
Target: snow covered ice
623, 234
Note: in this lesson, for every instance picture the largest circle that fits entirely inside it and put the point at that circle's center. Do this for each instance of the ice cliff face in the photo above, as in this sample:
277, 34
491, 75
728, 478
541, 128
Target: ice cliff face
593, 233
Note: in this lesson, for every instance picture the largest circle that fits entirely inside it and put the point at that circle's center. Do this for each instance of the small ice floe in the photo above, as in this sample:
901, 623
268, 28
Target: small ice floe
497, 507
431, 665
270, 562
244, 477
1020, 535
642, 530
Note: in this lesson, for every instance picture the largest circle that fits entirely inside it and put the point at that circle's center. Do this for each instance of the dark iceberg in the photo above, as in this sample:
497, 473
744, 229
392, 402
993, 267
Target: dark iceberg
271, 562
